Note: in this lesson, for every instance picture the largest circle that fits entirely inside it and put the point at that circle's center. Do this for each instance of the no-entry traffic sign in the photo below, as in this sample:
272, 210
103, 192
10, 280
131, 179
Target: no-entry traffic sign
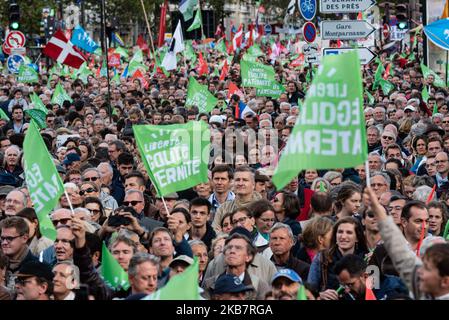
15, 39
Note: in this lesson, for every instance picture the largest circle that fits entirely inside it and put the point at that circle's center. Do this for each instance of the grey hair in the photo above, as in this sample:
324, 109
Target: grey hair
383, 174
438, 115
197, 242
91, 169
280, 225
138, 259
71, 185
131, 191
285, 104
418, 129
331, 175
126, 233
108, 166
422, 193
424, 180
25, 197
374, 128
375, 154
84, 210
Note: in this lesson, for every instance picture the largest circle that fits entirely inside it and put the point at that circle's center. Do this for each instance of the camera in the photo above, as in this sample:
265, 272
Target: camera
118, 220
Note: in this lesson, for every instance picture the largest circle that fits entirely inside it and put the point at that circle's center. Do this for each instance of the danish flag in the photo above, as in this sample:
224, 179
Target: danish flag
62, 50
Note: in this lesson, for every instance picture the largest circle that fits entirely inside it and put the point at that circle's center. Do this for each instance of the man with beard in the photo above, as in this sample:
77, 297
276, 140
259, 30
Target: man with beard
372, 234
352, 274
285, 285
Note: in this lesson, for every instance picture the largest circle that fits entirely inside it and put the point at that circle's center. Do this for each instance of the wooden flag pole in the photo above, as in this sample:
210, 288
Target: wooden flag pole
70, 202
149, 29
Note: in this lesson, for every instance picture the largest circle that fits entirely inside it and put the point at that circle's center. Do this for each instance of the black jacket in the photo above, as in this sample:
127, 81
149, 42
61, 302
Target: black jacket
300, 267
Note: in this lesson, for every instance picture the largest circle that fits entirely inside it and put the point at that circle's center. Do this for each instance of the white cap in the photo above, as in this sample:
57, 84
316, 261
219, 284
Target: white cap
216, 118
411, 108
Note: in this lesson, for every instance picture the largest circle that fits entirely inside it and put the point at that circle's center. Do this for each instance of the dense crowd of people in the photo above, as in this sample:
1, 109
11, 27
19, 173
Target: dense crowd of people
326, 230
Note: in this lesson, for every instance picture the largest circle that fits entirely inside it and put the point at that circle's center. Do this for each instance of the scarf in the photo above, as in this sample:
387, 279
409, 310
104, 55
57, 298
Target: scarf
14, 264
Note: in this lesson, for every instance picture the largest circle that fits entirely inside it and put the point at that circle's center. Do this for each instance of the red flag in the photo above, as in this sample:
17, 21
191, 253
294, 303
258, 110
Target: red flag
114, 60
62, 50
429, 199
369, 294
160, 40
202, 65
142, 43
250, 39
338, 43
232, 30
237, 40
298, 61
224, 71
421, 237
139, 75
387, 71
233, 89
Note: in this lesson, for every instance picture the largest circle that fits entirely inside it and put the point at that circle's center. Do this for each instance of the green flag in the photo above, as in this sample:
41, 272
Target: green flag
116, 79
183, 286
3, 115
275, 91
446, 231
82, 73
426, 71
425, 94
189, 52
256, 75
378, 75
386, 86
198, 95
175, 156
330, 132
111, 271
255, 51
322, 187
138, 56
248, 57
27, 74
122, 52
371, 98
59, 96
187, 7
134, 66
221, 46
39, 112
42, 179
196, 22
301, 293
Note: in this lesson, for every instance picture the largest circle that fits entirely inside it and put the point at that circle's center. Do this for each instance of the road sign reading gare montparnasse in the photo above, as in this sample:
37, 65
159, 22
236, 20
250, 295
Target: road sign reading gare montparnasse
345, 6
346, 29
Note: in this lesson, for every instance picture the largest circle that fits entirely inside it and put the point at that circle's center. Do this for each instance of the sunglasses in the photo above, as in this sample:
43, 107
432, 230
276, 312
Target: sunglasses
61, 221
132, 203
88, 190
91, 178
387, 138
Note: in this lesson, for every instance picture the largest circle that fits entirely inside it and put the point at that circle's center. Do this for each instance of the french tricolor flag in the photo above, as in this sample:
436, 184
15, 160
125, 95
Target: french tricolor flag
242, 109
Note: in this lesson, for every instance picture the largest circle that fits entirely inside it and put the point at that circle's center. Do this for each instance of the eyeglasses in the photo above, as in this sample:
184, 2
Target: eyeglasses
9, 239
387, 138
239, 221
62, 221
440, 161
88, 190
94, 211
91, 179
132, 203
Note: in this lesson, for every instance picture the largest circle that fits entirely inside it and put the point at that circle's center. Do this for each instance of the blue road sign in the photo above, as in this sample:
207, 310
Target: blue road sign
14, 63
307, 8
268, 29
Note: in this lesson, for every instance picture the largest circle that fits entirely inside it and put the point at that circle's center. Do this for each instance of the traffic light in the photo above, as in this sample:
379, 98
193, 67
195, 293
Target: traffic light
14, 16
402, 16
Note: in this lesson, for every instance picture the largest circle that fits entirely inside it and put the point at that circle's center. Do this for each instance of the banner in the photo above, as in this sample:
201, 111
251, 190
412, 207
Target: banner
82, 40
330, 131
175, 156
256, 75
42, 179
27, 74
111, 271
275, 91
198, 95
60, 95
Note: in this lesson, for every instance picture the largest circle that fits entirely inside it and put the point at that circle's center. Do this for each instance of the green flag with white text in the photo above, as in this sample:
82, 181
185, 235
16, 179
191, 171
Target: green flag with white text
27, 74
198, 95
60, 95
274, 92
187, 280
42, 179
256, 75
330, 131
111, 271
255, 51
175, 156
189, 52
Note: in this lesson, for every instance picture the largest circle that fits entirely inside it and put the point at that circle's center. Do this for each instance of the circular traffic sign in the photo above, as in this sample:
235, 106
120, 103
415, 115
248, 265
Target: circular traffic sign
309, 32
15, 39
14, 62
268, 29
6, 49
307, 8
